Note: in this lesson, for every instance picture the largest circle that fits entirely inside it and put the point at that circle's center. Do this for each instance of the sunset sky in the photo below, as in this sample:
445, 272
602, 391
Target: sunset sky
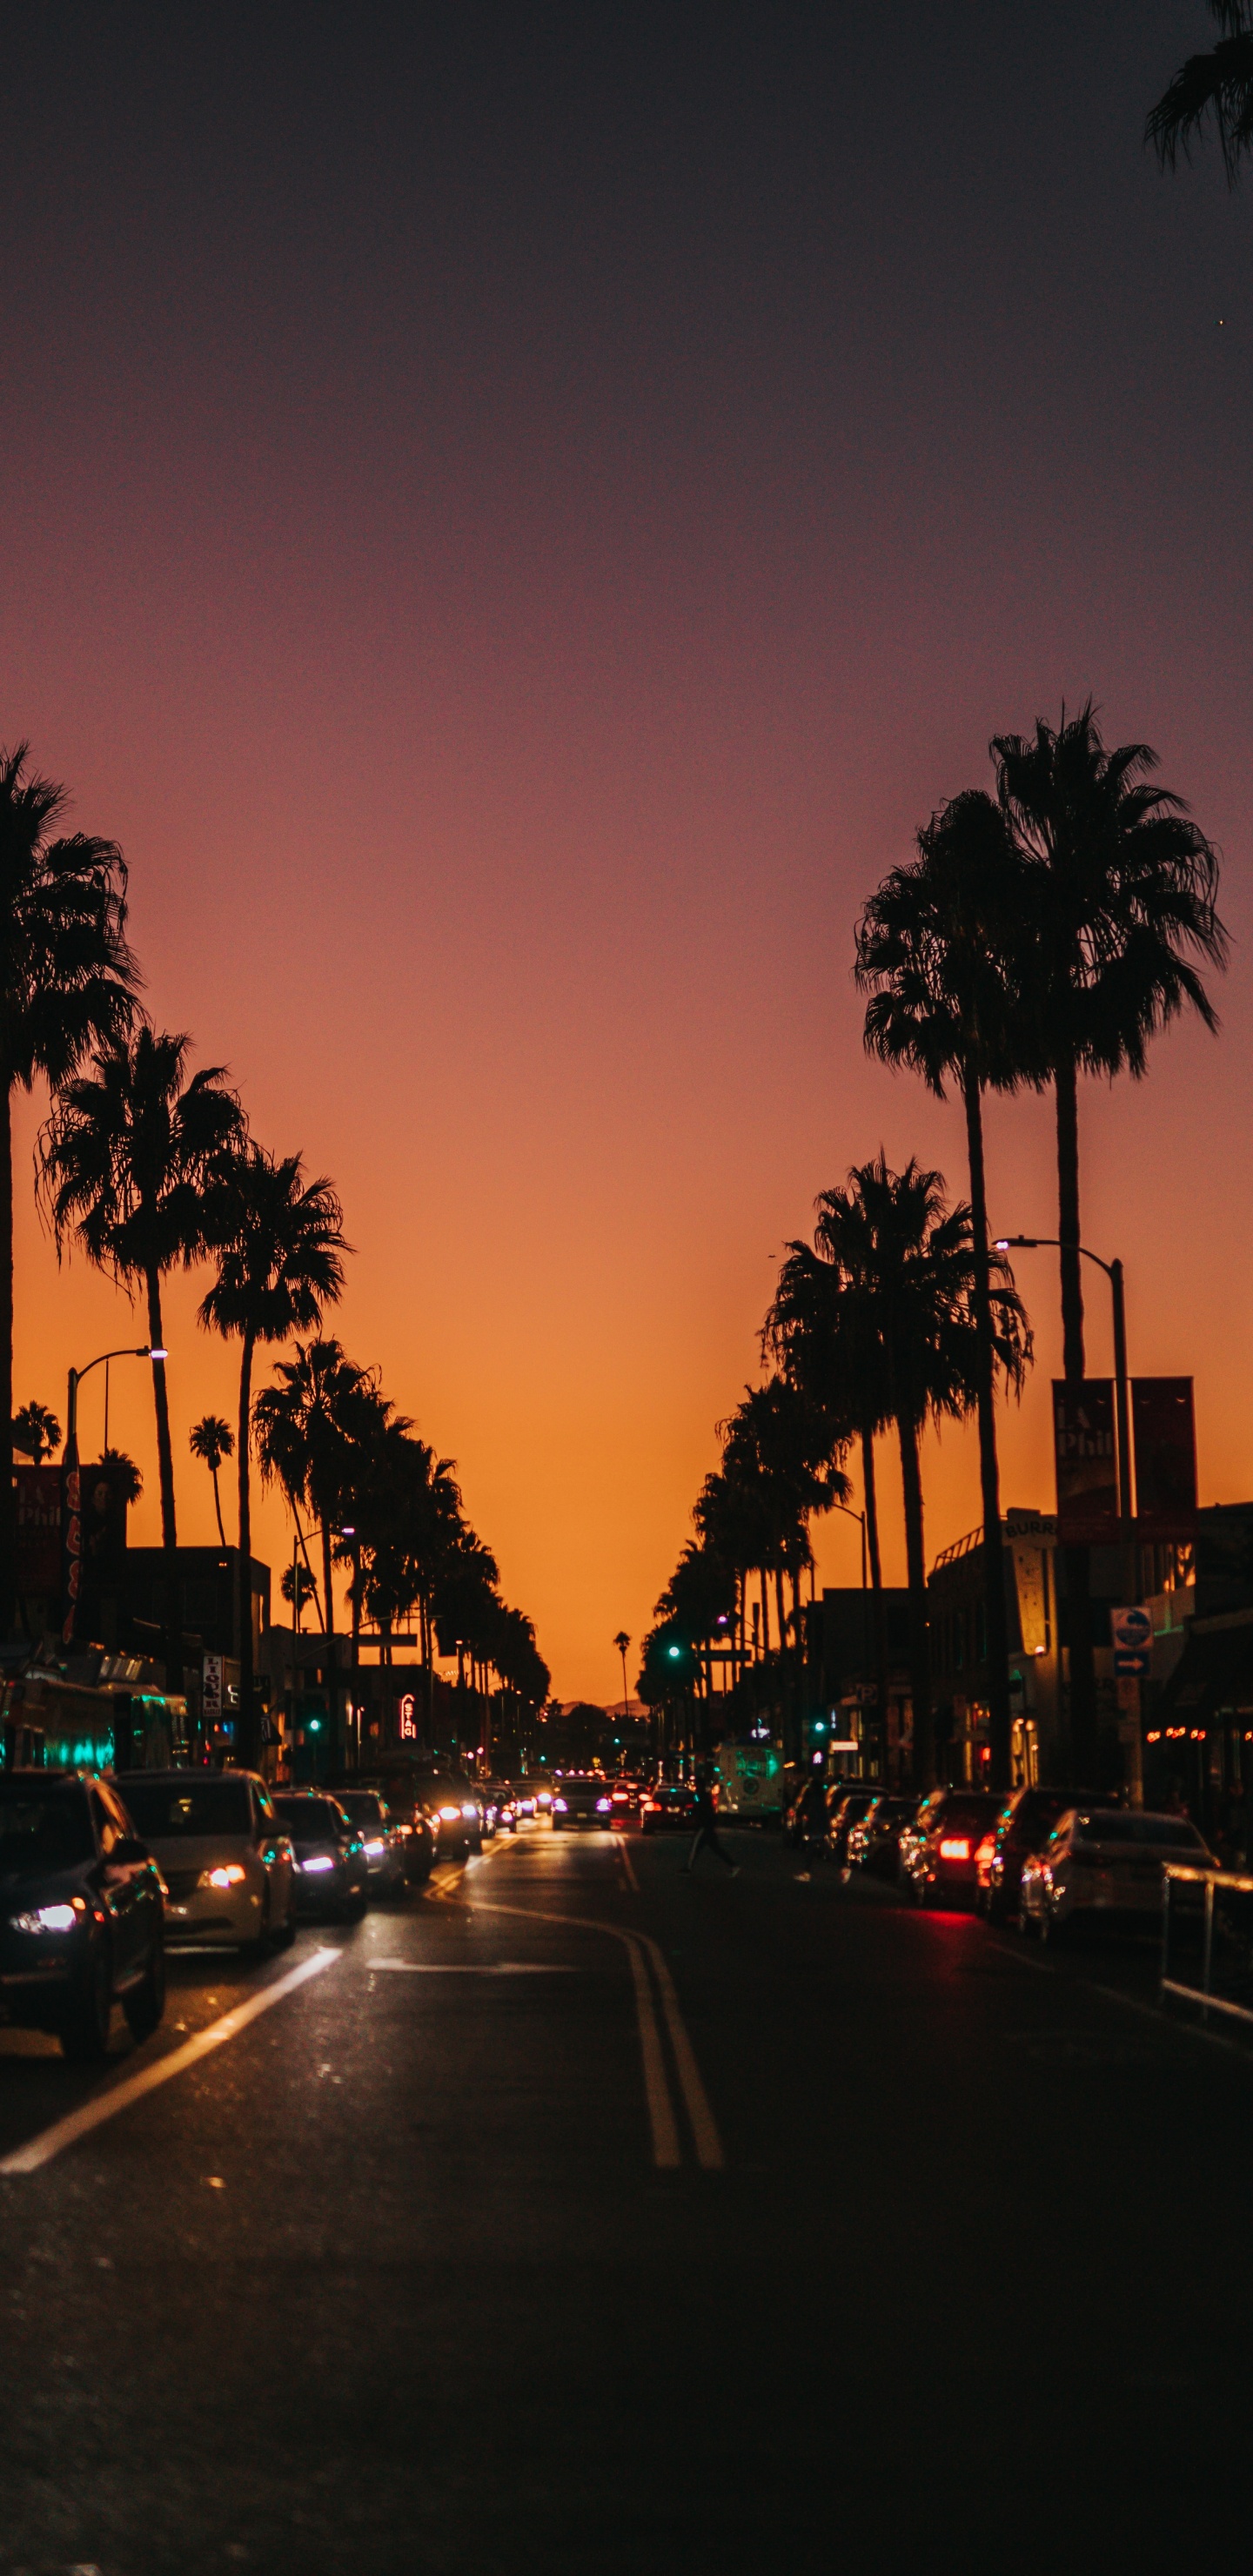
512, 516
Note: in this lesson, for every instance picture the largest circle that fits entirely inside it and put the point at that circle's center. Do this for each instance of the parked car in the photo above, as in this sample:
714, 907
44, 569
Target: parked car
382, 1837
845, 1808
450, 1801
332, 1873
581, 1798
81, 1912
938, 1849
873, 1843
1104, 1863
805, 1819
227, 1864
668, 1805
1022, 1828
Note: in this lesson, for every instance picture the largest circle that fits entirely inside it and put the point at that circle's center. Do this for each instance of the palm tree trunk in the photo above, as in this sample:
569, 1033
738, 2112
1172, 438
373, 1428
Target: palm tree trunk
1076, 1561
328, 1631
919, 1649
989, 1476
871, 1501
8, 1506
165, 1473
765, 1615
217, 1505
248, 1732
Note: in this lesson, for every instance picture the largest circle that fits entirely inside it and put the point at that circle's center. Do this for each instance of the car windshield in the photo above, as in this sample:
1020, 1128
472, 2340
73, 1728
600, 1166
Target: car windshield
44, 1828
165, 1809
361, 1808
1169, 1833
311, 1820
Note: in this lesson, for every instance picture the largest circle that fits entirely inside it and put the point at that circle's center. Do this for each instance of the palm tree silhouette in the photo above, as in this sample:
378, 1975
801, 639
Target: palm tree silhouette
905, 1264
213, 1440
66, 981
1219, 83
280, 1241
36, 1431
621, 1647
940, 953
310, 1430
1119, 885
131, 1163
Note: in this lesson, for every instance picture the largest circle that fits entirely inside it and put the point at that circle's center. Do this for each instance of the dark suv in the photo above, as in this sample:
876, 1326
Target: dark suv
81, 1912
1023, 1828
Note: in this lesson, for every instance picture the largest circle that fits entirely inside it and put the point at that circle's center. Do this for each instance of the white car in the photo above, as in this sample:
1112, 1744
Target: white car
224, 1856
1101, 1862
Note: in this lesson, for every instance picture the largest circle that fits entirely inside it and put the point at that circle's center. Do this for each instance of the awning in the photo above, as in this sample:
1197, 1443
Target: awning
1213, 1679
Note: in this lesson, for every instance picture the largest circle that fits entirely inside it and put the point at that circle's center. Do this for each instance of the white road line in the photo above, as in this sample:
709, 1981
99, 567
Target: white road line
628, 1865
666, 2151
492, 1968
704, 2126
105, 2106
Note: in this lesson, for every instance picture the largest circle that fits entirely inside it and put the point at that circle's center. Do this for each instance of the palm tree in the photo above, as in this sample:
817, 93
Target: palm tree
621, 1647
66, 981
297, 1588
906, 1264
310, 1430
36, 1431
939, 950
131, 1158
279, 1263
1219, 83
213, 1440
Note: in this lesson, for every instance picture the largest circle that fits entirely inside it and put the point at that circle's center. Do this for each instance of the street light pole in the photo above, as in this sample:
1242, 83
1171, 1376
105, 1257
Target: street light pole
71, 1493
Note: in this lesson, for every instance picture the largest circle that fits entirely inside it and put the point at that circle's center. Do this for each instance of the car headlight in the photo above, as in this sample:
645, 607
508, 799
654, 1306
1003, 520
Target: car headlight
374, 1851
228, 1874
50, 1918
449, 1815
558, 1806
603, 1806
468, 1812
320, 1860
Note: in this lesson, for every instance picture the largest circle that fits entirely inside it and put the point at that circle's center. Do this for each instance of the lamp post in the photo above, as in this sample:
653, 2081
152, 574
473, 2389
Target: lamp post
71, 1493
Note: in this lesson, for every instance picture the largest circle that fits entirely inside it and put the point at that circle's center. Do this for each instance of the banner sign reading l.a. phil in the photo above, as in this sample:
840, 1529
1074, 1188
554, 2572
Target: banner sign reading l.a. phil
1165, 1446
1083, 1449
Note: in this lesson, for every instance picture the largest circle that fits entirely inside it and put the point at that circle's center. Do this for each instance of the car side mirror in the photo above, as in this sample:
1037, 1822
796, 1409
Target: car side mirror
128, 1851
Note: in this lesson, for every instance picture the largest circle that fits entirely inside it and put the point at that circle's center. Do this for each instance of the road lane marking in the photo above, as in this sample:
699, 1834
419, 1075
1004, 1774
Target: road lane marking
704, 2126
475, 1968
628, 1865
91, 2115
666, 2148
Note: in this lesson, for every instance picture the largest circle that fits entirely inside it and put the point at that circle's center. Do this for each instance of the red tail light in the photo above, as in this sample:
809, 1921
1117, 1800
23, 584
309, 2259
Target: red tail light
955, 1847
986, 1848
650, 1806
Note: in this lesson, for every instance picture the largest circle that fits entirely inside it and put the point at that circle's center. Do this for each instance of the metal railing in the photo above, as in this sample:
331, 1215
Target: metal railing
1207, 1946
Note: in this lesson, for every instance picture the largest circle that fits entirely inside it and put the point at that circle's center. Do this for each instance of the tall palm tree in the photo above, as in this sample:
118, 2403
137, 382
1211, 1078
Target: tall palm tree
311, 1430
130, 1158
1121, 889
621, 1647
1217, 84
279, 1264
66, 980
940, 953
905, 1262
213, 1440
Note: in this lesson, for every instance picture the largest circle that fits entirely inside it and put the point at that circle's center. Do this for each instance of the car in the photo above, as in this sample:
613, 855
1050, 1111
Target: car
846, 1808
419, 1832
669, 1805
581, 1798
524, 1796
938, 1848
505, 1805
1022, 1828
451, 1802
543, 1798
624, 1798
227, 1864
805, 1822
332, 1872
82, 1920
873, 1844
382, 1836
1104, 1863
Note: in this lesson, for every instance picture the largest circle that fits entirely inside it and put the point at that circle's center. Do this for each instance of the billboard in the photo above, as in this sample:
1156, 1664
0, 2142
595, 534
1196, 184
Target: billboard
37, 1497
1083, 1450
1165, 1451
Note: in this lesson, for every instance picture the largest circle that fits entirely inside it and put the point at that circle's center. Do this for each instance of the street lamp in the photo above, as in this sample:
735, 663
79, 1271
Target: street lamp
69, 1465
1113, 1272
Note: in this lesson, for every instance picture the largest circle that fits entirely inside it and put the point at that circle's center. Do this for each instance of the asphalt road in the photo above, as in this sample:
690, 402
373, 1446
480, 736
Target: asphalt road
577, 2216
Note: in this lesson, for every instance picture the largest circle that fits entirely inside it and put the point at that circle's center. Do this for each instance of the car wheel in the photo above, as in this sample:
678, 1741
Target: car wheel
85, 2030
145, 2004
